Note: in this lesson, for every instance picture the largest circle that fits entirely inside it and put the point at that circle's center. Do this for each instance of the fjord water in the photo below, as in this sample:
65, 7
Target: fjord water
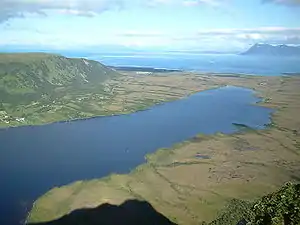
34, 159
218, 63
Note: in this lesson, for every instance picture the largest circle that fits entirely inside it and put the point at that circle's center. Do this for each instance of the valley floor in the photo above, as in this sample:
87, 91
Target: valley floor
185, 188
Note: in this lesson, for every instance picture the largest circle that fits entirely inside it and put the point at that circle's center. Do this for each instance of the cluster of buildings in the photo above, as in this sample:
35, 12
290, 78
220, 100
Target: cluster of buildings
4, 117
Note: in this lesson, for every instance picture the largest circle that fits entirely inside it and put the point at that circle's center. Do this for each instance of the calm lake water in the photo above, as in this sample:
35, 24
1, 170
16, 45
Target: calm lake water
35, 159
217, 63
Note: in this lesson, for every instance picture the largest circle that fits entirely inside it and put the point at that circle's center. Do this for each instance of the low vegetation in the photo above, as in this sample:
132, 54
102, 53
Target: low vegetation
279, 207
239, 168
37, 88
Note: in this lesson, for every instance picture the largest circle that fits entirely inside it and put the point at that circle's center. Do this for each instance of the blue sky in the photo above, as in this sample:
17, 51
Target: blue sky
212, 25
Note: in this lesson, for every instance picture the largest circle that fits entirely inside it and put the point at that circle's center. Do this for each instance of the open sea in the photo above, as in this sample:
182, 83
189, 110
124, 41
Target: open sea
216, 63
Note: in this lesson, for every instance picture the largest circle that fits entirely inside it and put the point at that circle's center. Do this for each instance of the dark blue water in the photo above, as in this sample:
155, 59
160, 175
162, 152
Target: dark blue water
217, 63
35, 159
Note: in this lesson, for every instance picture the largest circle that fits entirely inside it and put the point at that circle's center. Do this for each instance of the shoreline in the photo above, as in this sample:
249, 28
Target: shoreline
148, 158
96, 116
115, 114
149, 106
254, 84
251, 163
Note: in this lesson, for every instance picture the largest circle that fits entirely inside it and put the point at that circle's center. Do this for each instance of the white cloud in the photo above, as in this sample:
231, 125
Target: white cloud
140, 33
214, 38
76, 12
260, 30
243, 37
205, 39
283, 2
18, 8
213, 3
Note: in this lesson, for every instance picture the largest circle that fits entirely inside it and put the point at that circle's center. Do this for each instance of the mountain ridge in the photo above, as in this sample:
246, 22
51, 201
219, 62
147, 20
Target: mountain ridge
271, 50
39, 88
31, 72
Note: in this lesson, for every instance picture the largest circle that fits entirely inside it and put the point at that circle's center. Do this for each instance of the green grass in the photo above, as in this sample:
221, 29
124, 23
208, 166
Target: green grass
44, 88
279, 207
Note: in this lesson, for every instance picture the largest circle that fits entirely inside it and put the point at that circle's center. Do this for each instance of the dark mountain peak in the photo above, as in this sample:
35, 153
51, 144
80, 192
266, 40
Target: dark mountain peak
131, 212
273, 50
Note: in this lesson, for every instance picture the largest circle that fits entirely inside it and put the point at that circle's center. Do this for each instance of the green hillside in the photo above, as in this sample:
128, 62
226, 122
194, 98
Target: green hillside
32, 84
277, 208
28, 73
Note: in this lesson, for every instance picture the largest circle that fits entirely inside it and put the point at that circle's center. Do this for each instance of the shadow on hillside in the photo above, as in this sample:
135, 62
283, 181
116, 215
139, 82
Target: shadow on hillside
131, 212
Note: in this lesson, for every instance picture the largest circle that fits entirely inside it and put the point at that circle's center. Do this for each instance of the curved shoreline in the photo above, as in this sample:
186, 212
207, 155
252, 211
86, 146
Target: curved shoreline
261, 99
167, 151
141, 101
260, 93
149, 107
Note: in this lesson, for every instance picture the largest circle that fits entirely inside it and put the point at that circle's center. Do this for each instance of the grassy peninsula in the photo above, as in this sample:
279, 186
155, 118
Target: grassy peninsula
187, 189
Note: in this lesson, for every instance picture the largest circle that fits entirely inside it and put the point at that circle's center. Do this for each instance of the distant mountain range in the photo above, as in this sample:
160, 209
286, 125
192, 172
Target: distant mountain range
271, 50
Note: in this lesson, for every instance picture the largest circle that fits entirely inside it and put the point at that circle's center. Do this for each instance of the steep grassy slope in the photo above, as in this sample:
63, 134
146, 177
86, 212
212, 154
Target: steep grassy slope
40, 73
279, 207
31, 84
